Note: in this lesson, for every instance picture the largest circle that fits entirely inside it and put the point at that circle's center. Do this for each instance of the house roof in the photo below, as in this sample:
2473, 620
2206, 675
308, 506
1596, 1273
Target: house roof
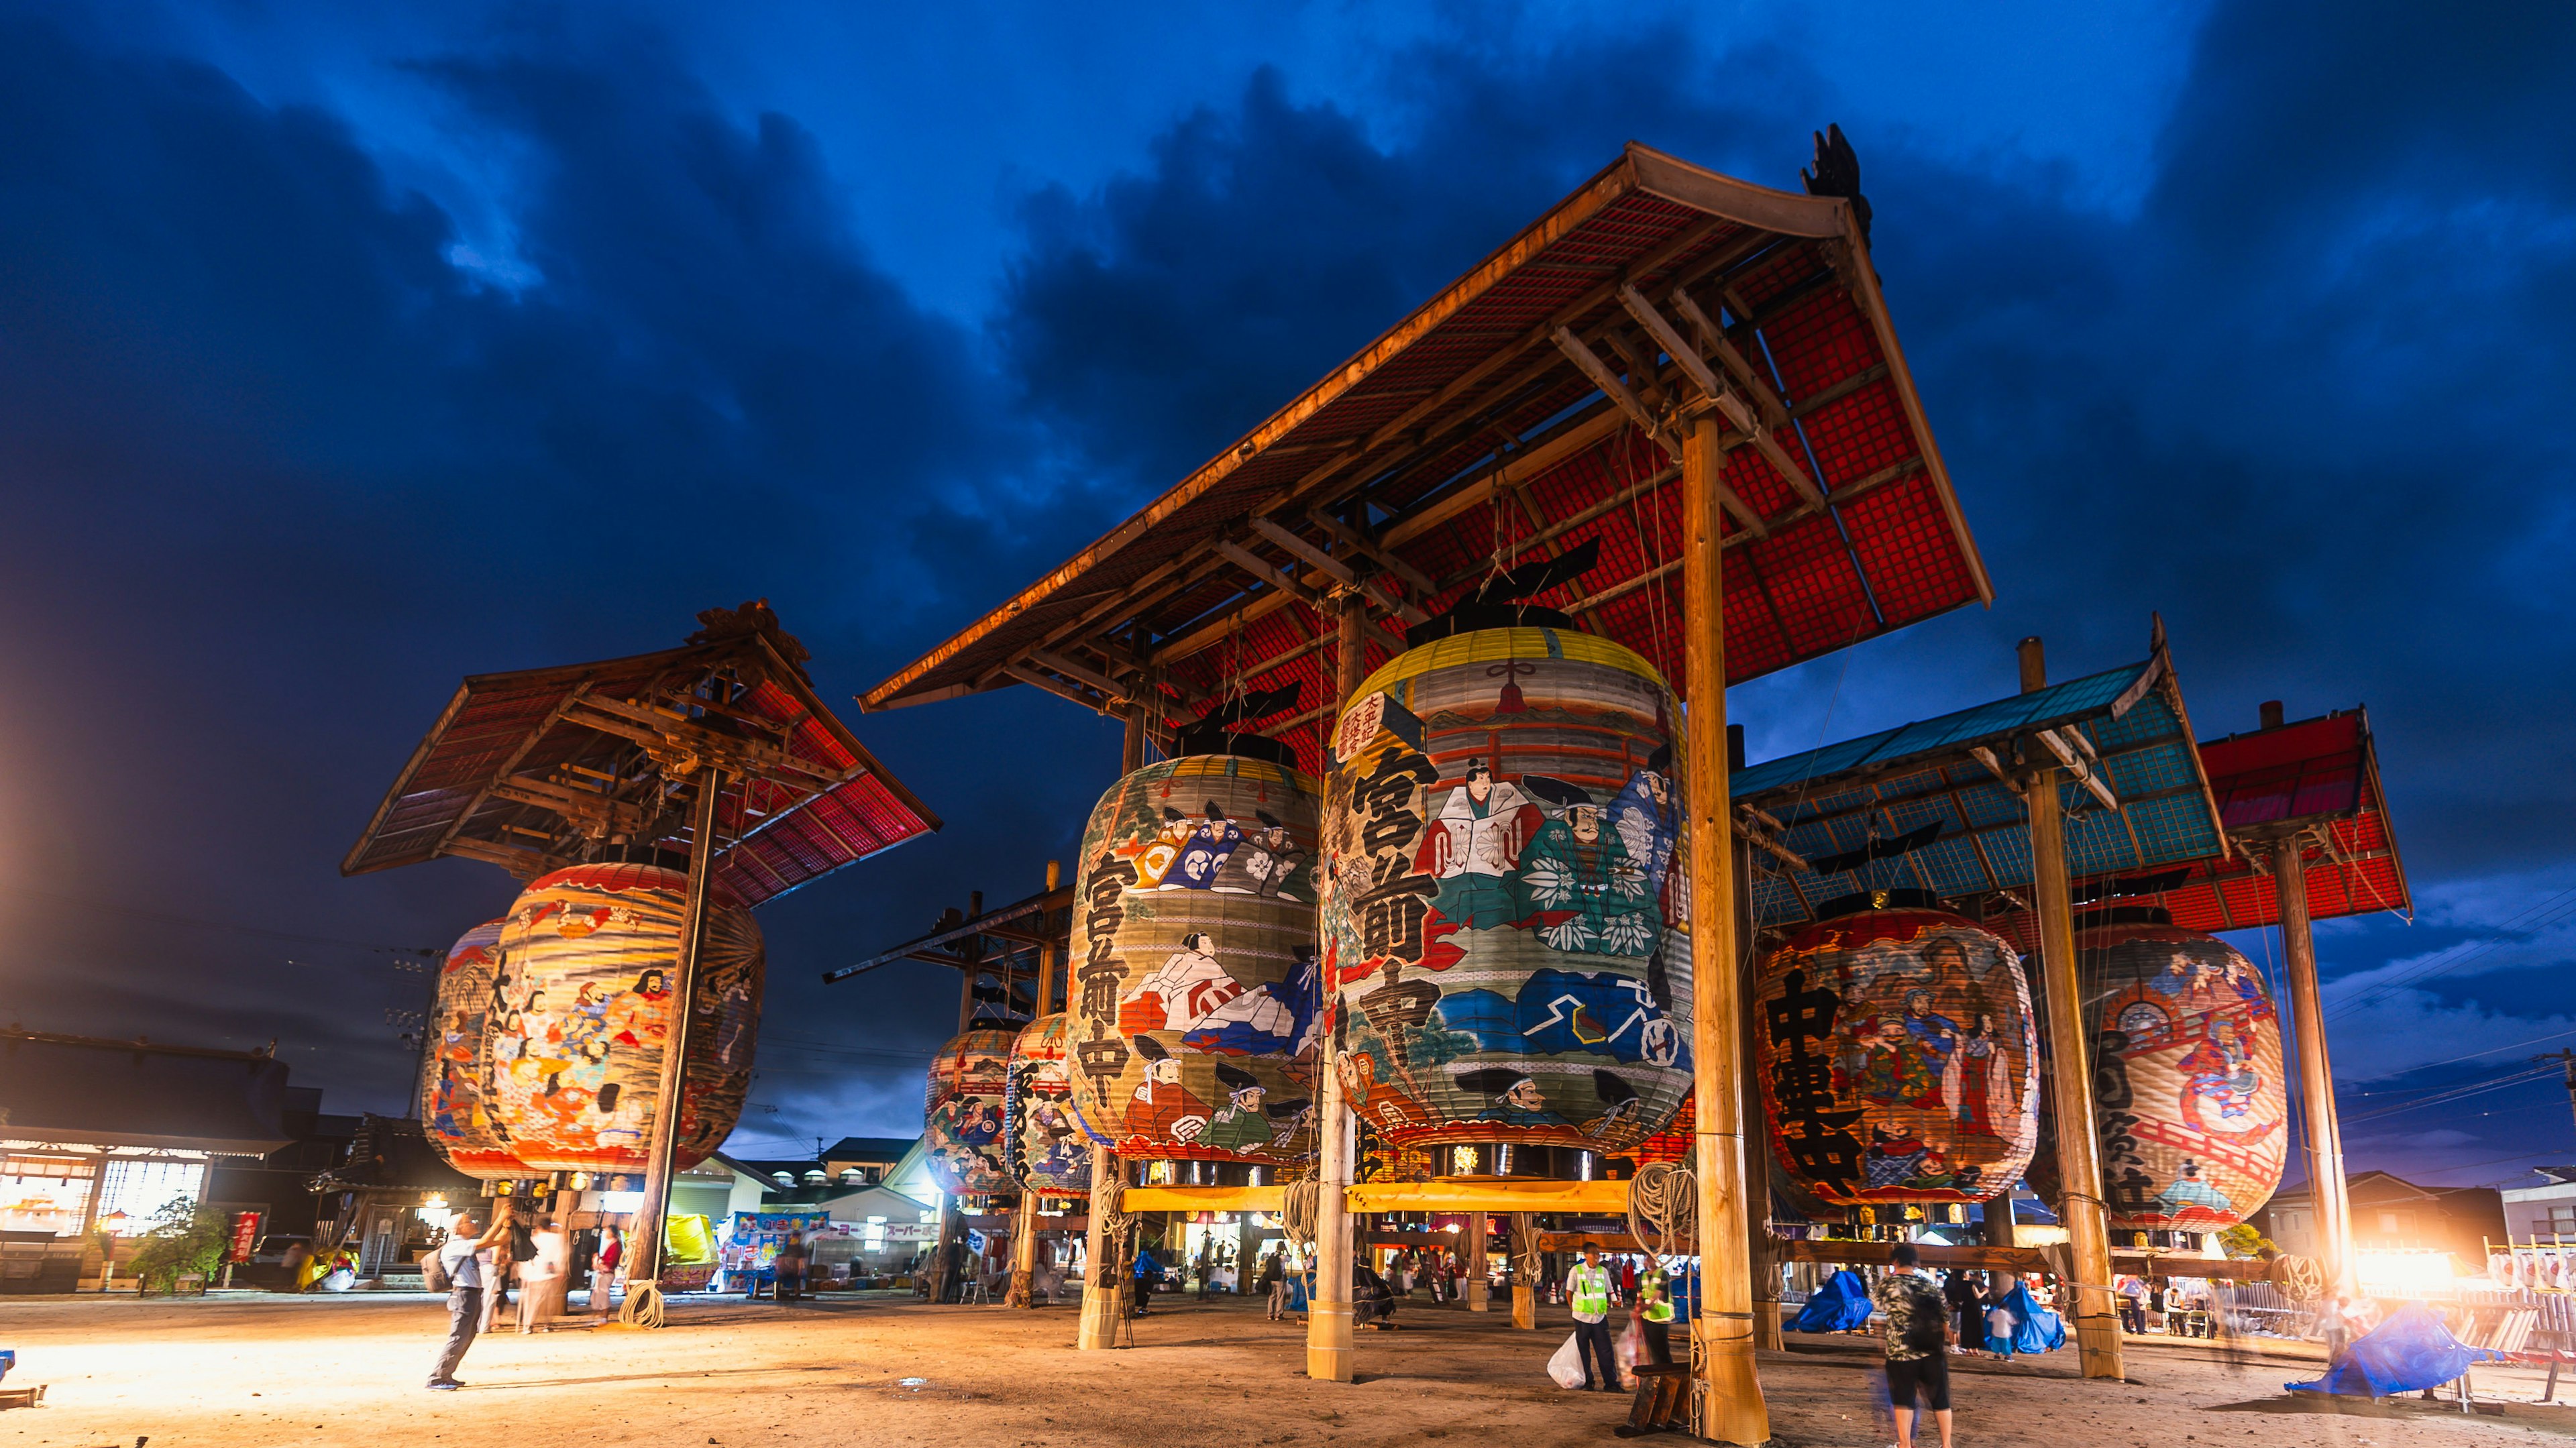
529, 769
869, 1148
1527, 409
64, 1090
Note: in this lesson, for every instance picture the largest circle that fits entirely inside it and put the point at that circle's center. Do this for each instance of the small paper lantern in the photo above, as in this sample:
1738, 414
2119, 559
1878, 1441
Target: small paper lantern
964, 1111
2190, 1106
455, 1111
583, 1015
1050, 1144
1195, 1003
1898, 1055
1504, 895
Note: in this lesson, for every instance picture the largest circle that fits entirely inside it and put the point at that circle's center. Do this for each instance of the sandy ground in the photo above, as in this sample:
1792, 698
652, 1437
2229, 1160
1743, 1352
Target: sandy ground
244, 1370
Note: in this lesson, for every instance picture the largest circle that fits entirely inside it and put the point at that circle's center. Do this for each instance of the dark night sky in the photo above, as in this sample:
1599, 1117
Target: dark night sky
343, 353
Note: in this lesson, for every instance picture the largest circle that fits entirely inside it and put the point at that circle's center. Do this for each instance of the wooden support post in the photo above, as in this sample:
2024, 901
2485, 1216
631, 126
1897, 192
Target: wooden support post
2079, 1157
1524, 1278
1024, 1227
1100, 1299
1480, 1262
644, 1244
2326, 1183
1731, 1409
1328, 1316
1761, 1261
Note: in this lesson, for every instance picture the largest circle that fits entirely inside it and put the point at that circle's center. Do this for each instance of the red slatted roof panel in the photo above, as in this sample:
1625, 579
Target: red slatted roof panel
1472, 370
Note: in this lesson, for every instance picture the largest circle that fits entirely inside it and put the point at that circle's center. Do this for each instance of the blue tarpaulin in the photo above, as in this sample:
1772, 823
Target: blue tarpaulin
2410, 1351
2034, 1328
1841, 1305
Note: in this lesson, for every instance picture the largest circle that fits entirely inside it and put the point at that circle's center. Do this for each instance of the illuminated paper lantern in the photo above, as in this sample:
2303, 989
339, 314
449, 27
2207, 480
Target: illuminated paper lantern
1050, 1144
455, 1110
582, 1015
964, 1110
1677, 1143
1195, 1005
1505, 892
2190, 1104
1898, 1054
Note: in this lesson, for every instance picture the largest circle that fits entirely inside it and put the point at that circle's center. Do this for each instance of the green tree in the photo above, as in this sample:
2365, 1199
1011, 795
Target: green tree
2242, 1240
185, 1238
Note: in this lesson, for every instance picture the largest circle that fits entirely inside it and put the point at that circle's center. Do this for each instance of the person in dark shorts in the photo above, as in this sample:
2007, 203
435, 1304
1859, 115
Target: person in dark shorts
1918, 1334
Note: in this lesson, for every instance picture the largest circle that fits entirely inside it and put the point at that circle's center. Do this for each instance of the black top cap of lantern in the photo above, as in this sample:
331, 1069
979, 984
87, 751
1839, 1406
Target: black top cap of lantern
1500, 601
1879, 900
1216, 731
2123, 915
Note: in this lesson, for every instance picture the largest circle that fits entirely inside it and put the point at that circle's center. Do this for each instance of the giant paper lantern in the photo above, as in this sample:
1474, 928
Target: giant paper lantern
1049, 1144
1195, 1003
582, 1017
455, 1109
963, 1113
2189, 1102
1898, 1056
1505, 892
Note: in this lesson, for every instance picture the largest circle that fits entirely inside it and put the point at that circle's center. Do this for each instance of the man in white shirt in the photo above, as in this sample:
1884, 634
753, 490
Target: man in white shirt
1588, 1288
463, 1257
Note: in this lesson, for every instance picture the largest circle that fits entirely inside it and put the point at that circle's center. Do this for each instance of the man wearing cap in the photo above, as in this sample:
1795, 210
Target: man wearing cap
1588, 1288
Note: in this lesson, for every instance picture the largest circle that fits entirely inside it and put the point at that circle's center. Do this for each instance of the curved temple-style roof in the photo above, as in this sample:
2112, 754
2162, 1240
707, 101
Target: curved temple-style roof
522, 769
1530, 407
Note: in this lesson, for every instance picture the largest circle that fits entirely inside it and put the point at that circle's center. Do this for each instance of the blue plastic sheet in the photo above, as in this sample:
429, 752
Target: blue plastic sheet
2034, 1328
2409, 1351
1841, 1305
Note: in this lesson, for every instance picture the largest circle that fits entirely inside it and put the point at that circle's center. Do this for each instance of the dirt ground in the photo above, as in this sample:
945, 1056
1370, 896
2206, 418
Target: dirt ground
242, 1370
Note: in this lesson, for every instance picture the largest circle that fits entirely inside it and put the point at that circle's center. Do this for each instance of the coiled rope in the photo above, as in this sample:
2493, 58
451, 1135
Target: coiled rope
2301, 1279
1663, 1208
1298, 1209
643, 1306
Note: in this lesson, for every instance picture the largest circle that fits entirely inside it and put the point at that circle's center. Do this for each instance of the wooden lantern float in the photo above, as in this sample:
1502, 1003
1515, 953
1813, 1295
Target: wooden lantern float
581, 1015
455, 1073
963, 1111
1195, 995
1049, 1144
1503, 895
1898, 1054
2189, 1098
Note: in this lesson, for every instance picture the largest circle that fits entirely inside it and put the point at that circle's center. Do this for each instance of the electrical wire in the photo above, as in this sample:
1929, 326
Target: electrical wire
2529, 921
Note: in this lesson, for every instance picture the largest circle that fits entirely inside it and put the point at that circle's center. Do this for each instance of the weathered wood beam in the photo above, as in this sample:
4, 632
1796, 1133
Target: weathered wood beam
1314, 556
1384, 558
1110, 688
1053, 685
1735, 409
1617, 391
2083, 771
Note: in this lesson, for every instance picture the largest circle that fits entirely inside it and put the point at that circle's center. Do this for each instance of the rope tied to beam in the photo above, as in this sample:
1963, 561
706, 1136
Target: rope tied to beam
1298, 1209
1663, 1207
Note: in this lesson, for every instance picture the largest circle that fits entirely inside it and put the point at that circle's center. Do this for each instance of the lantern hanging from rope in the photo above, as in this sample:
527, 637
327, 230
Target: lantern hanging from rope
1898, 1054
963, 1114
1505, 891
582, 1014
455, 1070
1050, 1144
1194, 972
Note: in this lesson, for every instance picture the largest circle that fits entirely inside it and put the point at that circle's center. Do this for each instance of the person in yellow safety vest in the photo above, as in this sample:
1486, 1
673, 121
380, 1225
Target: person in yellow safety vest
1655, 1314
1588, 1288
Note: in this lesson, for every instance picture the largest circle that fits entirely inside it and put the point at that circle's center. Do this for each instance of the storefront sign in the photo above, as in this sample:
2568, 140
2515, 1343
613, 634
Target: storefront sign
245, 1236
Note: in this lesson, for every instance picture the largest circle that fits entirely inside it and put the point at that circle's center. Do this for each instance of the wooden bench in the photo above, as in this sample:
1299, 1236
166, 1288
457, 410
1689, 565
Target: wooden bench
1662, 1403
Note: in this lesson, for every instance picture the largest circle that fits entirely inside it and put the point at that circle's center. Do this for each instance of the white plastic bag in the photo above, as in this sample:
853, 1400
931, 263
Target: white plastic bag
1628, 1349
1567, 1366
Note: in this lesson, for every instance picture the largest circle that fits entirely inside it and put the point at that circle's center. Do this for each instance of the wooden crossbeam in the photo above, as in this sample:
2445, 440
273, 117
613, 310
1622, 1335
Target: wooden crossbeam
1756, 429
2078, 766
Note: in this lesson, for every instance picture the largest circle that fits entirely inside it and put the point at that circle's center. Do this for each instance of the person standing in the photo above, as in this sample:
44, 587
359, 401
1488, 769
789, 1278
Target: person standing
1588, 1288
463, 1258
545, 1281
1274, 1281
1149, 1274
791, 1267
1967, 1305
1655, 1313
1918, 1337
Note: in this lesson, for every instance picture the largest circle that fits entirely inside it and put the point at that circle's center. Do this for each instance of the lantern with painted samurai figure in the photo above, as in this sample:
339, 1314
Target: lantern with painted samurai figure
1505, 892
582, 1014
963, 1111
455, 1108
1050, 1145
2188, 1095
1898, 1054
1194, 968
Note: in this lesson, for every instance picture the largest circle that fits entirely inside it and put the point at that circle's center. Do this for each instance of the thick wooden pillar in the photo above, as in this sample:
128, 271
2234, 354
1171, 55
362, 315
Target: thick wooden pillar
1731, 1409
1480, 1262
1524, 1280
645, 1244
1100, 1300
1024, 1227
2327, 1188
1328, 1316
2079, 1156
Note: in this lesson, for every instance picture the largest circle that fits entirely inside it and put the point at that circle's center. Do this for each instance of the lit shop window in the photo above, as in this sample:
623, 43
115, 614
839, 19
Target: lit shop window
139, 1188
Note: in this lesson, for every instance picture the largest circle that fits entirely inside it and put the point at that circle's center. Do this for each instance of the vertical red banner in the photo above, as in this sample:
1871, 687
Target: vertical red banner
245, 1236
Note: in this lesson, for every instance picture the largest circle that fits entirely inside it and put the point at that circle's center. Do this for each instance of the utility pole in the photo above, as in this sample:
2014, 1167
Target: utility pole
2567, 1057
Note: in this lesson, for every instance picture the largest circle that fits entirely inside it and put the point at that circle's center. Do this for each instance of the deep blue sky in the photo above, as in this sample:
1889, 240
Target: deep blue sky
347, 351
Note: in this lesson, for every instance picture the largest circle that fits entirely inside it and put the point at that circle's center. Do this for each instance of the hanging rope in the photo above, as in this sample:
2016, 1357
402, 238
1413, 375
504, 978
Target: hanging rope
2301, 1279
1298, 1209
643, 1306
1663, 1207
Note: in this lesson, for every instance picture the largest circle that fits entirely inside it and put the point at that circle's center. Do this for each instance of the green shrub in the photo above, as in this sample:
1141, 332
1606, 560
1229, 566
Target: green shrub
185, 1238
